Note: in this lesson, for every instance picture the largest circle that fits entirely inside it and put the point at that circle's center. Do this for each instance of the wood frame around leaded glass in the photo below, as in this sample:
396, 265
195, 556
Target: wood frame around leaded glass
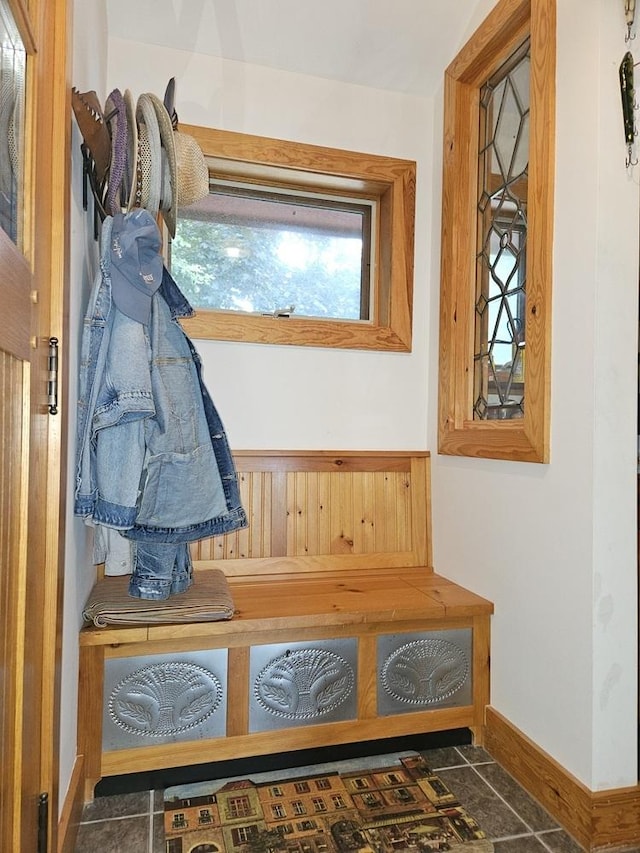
464, 430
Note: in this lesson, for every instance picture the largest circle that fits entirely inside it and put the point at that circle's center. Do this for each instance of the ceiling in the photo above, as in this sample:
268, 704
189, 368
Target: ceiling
401, 45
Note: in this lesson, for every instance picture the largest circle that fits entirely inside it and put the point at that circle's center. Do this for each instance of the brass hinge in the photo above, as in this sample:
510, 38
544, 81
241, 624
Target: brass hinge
52, 379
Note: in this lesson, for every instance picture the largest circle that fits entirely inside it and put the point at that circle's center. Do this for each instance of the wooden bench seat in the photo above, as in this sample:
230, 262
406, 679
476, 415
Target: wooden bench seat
341, 630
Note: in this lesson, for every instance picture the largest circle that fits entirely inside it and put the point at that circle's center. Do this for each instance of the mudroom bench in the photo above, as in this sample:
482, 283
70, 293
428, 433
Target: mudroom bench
341, 630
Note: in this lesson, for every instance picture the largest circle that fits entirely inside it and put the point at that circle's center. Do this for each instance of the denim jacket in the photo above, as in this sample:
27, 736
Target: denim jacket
152, 456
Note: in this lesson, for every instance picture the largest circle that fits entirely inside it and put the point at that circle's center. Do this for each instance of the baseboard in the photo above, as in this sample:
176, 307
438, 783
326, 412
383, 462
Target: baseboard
72, 809
595, 819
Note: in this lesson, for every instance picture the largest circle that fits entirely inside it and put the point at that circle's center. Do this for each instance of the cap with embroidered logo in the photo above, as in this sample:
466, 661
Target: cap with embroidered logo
136, 263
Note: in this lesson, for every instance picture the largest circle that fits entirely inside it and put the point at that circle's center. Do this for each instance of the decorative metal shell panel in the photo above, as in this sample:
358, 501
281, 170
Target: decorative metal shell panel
302, 684
164, 699
425, 670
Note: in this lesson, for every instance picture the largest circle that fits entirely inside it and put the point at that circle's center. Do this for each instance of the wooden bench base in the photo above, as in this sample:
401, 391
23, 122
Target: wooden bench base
380, 654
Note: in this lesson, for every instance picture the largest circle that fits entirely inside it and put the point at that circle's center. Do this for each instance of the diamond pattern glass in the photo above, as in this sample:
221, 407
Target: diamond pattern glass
12, 97
503, 162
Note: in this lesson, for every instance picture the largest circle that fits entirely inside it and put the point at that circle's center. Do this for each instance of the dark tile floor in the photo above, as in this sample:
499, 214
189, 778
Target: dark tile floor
508, 815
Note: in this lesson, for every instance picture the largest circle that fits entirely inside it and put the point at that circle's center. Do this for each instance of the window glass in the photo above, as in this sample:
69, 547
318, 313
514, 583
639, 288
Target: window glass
503, 154
12, 98
273, 252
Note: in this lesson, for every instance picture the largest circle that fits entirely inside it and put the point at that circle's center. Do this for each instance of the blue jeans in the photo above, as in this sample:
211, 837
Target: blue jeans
160, 570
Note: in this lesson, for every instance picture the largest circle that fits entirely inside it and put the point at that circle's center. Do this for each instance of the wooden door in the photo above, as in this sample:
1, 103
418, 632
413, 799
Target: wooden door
34, 130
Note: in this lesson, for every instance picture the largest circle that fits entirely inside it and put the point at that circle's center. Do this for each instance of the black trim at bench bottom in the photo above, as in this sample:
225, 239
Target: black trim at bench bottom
158, 780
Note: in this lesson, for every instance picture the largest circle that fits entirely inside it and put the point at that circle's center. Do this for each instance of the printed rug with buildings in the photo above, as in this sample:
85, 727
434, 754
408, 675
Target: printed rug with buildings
384, 804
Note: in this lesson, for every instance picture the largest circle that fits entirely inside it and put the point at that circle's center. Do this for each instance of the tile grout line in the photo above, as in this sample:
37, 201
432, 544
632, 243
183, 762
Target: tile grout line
539, 835
150, 843
110, 819
532, 832
467, 763
509, 806
500, 797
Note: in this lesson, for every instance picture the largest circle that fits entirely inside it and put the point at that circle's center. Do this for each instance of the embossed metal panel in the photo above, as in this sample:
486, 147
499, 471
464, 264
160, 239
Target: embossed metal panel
302, 684
169, 698
424, 670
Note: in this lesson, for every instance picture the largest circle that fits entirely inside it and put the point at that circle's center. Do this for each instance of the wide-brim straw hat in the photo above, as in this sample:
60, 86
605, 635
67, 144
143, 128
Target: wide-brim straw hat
193, 172
129, 181
192, 169
169, 194
149, 175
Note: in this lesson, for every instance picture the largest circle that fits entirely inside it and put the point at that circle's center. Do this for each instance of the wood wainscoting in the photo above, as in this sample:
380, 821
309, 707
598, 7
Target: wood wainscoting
596, 819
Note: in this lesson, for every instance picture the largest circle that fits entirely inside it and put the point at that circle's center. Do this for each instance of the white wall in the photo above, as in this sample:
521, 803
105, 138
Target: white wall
89, 60
554, 546
277, 396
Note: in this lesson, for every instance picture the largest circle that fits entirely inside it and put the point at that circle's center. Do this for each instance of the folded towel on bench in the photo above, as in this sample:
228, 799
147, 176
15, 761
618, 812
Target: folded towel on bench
207, 600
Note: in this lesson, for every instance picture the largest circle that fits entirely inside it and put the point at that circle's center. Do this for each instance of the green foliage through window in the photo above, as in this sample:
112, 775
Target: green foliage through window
283, 256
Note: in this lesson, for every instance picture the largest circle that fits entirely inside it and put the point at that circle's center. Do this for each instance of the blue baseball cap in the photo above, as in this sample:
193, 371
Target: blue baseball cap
136, 263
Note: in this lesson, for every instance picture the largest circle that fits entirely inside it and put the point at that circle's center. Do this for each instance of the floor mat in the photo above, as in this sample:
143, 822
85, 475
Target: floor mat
382, 804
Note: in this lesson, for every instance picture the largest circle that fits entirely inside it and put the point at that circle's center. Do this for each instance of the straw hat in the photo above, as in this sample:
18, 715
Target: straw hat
169, 187
192, 169
150, 161
130, 181
11, 122
193, 172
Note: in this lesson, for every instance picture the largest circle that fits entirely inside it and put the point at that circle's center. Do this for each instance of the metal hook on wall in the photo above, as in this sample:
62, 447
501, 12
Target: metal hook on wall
627, 94
629, 15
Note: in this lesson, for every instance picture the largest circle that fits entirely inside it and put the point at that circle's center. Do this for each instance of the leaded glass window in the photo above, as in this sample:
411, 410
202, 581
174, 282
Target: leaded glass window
12, 97
503, 163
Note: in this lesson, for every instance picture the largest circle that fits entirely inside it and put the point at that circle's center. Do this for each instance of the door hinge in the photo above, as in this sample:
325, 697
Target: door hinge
52, 379
43, 822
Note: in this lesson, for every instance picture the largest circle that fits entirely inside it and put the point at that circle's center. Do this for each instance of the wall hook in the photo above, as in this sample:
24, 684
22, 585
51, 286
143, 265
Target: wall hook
627, 94
629, 15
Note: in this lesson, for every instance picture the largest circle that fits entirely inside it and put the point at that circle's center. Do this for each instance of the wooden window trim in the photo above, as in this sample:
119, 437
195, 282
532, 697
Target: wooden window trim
527, 439
390, 181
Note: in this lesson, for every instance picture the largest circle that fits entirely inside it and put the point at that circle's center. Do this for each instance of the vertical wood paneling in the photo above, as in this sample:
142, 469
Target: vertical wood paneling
313, 514
420, 501
14, 469
316, 510
324, 514
403, 513
341, 515
385, 514
255, 540
279, 520
359, 511
368, 515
